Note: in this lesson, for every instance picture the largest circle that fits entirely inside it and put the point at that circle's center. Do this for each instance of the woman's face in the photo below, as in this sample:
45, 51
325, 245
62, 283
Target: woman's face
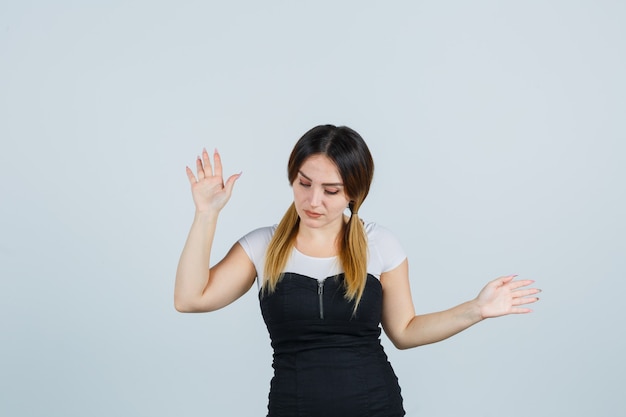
319, 194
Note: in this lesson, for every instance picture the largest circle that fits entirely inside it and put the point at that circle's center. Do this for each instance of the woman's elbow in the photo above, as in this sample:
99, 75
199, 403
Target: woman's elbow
186, 306
182, 308
401, 342
397, 341
401, 345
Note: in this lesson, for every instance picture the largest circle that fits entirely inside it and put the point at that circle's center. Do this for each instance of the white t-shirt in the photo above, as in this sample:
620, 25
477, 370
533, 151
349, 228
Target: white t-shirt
385, 254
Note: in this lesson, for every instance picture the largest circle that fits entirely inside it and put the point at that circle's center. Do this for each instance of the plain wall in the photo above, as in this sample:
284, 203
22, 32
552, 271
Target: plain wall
498, 134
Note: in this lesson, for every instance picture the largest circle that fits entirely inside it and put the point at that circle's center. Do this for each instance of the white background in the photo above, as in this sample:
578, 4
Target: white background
498, 134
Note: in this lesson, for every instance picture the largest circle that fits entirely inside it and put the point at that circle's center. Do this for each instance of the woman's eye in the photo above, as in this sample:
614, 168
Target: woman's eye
331, 192
304, 184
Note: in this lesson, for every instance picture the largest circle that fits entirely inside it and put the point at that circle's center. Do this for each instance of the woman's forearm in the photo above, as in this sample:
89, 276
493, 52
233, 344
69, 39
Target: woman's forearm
435, 327
192, 274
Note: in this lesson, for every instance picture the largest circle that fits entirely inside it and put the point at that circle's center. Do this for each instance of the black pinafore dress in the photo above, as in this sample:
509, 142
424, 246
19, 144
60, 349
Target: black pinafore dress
327, 361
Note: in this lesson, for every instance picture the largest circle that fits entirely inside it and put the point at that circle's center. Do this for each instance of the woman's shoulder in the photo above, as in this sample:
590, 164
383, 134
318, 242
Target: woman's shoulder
256, 241
375, 231
262, 232
386, 251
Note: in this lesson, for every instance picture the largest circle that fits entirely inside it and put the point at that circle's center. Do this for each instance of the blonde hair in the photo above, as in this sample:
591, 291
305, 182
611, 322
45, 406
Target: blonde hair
348, 151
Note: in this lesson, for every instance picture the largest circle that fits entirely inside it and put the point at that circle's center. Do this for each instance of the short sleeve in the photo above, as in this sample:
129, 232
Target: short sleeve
255, 245
385, 250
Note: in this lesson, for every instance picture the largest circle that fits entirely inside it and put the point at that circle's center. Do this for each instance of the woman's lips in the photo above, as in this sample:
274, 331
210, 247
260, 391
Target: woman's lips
312, 214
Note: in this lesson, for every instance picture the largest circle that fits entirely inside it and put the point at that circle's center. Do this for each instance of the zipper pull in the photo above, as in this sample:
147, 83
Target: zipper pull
320, 294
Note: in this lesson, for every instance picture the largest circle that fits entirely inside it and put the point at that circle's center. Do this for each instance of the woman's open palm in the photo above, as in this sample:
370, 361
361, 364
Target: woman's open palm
505, 296
209, 191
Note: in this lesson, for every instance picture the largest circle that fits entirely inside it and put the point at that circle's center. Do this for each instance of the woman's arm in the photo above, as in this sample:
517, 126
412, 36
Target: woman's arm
198, 288
500, 297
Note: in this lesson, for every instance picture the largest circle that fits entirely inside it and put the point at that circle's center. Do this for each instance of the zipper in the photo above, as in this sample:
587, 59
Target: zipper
320, 294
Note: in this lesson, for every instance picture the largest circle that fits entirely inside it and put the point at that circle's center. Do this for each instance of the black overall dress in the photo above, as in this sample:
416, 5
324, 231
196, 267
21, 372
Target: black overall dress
327, 361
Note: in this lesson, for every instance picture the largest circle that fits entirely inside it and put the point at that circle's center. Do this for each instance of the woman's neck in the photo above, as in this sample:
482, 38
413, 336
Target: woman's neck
319, 243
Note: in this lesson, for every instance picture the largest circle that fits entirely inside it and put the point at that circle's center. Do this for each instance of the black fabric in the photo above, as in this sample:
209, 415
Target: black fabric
328, 361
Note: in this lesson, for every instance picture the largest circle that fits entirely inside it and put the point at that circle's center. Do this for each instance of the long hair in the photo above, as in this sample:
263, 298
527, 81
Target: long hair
347, 149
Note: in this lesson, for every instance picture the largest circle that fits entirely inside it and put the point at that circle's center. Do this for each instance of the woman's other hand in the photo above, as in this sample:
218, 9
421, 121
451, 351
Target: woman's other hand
209, 191
504, 296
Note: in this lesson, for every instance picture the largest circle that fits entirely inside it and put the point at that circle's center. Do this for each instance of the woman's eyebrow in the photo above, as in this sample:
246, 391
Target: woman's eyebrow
328, 184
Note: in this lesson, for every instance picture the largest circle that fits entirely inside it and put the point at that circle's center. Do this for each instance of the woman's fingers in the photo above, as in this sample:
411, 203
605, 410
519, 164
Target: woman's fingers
208, 170
192, 178
217, 162
524, 297
523, 301
526, 293
204, 167
205, 170
199, 169
508, 278
230, 183
521, 283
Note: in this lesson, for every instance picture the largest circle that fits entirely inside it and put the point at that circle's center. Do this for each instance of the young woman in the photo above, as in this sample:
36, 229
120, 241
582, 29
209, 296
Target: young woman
327, 281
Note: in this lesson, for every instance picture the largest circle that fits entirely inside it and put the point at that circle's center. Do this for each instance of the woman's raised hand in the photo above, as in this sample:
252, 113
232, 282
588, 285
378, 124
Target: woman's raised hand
505, 296
209, 191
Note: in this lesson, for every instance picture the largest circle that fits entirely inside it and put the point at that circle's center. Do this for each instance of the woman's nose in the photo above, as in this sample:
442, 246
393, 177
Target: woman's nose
316, 197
